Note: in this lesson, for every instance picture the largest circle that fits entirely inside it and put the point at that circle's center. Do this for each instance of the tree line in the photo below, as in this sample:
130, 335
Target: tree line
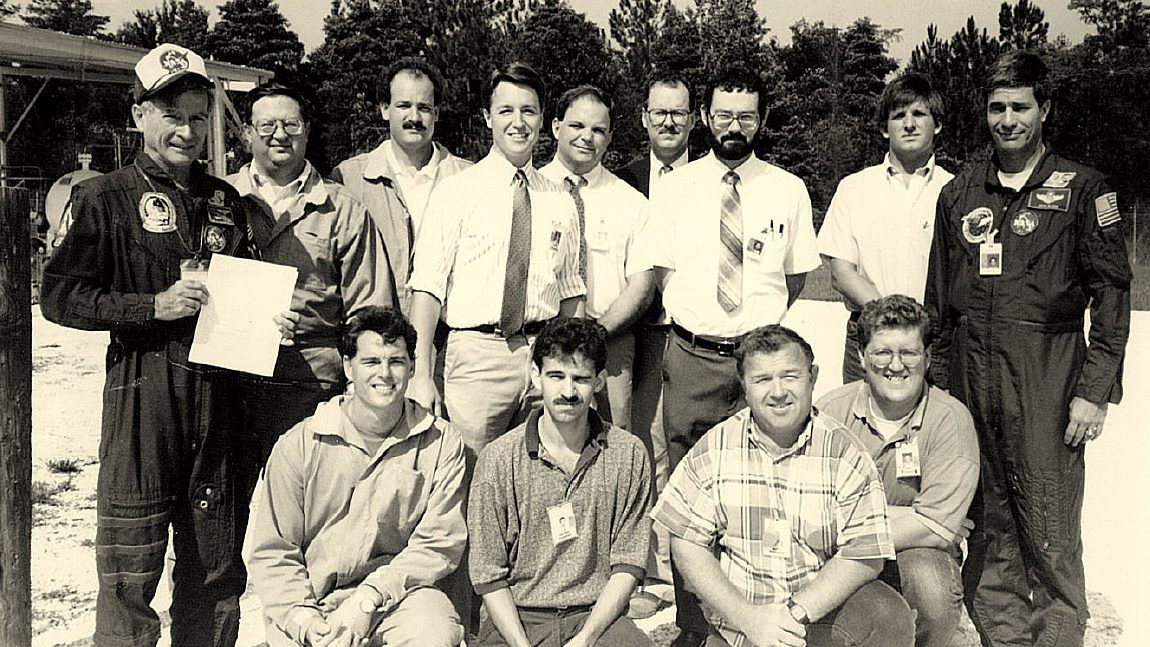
824, 84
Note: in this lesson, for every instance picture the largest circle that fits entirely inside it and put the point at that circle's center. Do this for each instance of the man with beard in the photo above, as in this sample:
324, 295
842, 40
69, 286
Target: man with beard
1024, 243
395, 179
558, 509
733, 241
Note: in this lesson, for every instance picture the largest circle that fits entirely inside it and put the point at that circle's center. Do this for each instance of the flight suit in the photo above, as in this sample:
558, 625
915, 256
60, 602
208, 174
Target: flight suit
1011, 347
168, 451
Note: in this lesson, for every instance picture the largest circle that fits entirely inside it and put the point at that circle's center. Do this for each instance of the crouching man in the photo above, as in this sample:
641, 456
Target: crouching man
558, 509
924, 445
777, 517
362, 509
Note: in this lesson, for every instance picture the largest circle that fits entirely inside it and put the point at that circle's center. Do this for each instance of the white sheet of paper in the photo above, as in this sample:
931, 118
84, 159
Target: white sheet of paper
235, 329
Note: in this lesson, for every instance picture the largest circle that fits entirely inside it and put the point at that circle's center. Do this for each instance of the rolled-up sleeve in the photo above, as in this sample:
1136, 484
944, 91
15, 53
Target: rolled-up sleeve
632, 528
436, 243
488, 517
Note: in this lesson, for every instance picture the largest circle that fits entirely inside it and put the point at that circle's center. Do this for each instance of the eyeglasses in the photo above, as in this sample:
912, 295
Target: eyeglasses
291, 127
884, 356
658, 115
747, 120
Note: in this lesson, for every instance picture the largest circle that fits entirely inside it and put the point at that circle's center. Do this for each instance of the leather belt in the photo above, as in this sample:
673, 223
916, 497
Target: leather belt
725, 346
529, 328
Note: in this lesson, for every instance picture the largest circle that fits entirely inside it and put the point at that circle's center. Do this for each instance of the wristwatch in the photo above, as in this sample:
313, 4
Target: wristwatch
797, 611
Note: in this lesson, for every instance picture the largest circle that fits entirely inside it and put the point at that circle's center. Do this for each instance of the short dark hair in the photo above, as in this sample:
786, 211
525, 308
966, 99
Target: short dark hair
167, 94
737, 78
670, 79
388, 322
564, 337
517, 74
578, 92
770, 339
905, 90
415, 66
893, 311
1019, 69
276, 89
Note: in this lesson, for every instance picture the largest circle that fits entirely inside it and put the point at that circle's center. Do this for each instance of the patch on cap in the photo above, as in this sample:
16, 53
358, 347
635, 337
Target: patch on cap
165, 65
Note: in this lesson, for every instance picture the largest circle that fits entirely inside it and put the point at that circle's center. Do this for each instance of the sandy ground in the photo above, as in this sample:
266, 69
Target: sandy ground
67, 382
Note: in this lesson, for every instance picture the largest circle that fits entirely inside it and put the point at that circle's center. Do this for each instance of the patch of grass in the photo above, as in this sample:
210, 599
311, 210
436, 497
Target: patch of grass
818, 286
63, 466
44, 493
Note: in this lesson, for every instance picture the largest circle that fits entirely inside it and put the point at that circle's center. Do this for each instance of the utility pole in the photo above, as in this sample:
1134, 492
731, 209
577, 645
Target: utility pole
15, 420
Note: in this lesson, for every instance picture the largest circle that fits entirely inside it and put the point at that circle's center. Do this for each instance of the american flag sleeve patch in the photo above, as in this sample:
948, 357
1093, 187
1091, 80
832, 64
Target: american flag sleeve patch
1106, 208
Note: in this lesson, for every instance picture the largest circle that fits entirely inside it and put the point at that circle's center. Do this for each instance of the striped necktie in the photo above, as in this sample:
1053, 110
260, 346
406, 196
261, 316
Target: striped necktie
730, 286
573, 184
518, 256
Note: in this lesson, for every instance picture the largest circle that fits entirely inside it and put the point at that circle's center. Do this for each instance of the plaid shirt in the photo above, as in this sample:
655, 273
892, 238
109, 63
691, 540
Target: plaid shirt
777, 519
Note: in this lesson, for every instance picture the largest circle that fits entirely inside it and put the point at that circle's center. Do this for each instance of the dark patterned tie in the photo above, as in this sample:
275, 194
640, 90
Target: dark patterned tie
518, 257
730, 292
573, 186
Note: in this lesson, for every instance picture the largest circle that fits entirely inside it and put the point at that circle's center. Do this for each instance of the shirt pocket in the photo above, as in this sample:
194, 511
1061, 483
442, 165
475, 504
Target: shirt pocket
314, 260
473, 245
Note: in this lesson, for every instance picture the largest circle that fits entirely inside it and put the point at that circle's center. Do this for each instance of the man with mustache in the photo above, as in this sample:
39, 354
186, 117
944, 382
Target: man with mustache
777, 516
558, 509
395, 179
668, 117
1023, 244
733, 242
876, 236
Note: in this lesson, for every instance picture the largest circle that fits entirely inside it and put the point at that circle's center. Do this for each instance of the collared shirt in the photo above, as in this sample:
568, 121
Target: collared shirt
461, 249
371, 179
280, 199
507, 516
883, 225
333, 516
414, 184
657, 166
943, 431
778, 239
776, 518
615, 214
329, 238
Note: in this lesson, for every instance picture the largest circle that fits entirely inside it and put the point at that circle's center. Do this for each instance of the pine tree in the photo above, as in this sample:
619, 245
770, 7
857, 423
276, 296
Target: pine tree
182, 22
255, 33
68, 16
1022, 26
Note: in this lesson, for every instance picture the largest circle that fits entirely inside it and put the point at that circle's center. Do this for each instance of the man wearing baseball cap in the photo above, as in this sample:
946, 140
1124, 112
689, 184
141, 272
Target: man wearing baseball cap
168, 444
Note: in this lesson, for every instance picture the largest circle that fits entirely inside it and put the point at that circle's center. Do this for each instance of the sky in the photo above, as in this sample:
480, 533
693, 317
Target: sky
911, 16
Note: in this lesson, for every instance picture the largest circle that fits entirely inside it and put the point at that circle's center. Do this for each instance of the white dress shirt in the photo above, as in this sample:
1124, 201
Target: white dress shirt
461, 247
279, 199
415, 185
778, 239
615, 214
656, 166
882, 222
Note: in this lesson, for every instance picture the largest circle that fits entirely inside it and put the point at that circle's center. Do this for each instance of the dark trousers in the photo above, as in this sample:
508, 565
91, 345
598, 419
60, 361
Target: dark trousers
852, 364
873, 616
271, 407
701, 390
1024, 580
169, 456
554, 627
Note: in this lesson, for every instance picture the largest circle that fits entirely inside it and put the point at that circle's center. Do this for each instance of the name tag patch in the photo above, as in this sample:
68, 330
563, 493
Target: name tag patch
1049, 199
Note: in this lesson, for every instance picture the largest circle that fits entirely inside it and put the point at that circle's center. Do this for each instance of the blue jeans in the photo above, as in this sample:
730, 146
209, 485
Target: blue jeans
932, 586
873, 616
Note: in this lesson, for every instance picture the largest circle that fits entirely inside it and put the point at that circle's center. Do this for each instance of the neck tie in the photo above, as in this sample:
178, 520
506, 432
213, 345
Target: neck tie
730, 286
574, 183
518, 255
667, 168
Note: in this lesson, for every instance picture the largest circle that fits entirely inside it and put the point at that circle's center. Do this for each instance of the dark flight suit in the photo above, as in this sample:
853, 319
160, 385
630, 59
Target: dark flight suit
168, 451
1012, 349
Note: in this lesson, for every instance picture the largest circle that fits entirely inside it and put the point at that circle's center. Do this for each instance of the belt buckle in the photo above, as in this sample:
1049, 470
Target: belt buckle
499, 331
725, 348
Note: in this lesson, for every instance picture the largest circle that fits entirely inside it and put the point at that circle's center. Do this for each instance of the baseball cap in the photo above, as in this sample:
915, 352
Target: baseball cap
165, 65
